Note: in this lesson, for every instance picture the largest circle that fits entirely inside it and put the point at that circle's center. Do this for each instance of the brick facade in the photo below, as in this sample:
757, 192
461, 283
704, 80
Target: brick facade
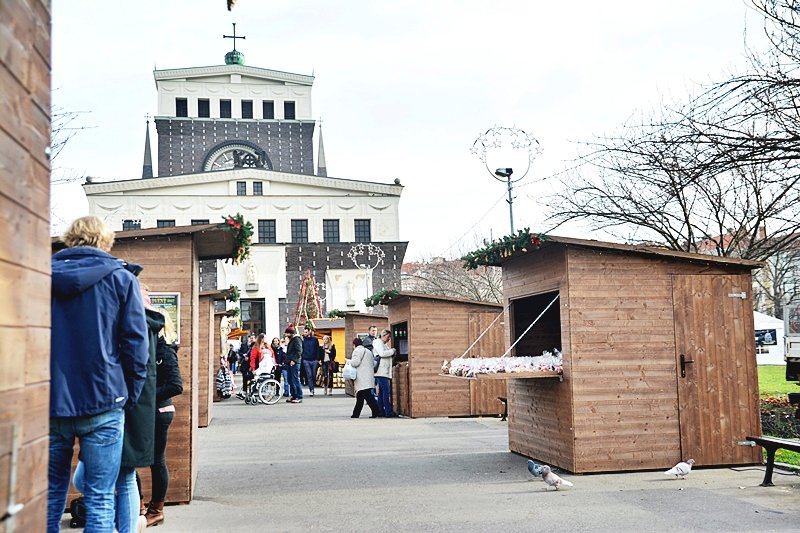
319, 257
184, 143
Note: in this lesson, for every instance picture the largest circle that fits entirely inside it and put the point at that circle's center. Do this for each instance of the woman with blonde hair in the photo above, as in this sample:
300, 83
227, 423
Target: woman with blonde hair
328, 364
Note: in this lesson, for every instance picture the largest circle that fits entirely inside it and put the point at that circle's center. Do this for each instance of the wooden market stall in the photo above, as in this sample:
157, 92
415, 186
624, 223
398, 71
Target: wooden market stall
209, 350
426, 330
170, 257
658, 355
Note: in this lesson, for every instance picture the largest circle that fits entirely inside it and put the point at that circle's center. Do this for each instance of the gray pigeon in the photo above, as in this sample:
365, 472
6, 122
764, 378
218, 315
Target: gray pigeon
553, 480
534, 468
681, 470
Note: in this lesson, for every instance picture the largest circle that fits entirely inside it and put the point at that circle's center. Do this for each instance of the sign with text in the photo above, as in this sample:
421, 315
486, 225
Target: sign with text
171, 303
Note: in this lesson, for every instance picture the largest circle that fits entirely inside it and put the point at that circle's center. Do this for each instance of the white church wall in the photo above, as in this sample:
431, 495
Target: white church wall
346, 289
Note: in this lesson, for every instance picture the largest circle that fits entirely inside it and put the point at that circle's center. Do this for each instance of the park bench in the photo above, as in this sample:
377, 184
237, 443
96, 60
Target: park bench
773, 444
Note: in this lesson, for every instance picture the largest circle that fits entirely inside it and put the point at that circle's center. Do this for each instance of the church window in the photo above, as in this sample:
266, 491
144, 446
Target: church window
299, 230
288, 110
203, 108
199, 221
131, 224
241, 188
247, 109
363, 233
268, 108
252, 315
165, 223
181, 107
258, 188
224, 109
266, 231
330, 230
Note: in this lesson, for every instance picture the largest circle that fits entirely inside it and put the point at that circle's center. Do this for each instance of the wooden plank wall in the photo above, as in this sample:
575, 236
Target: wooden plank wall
623, 370
438, 329
484, 394
170, 265
540, 410
400, 393
25, 257
217, 322
207, 360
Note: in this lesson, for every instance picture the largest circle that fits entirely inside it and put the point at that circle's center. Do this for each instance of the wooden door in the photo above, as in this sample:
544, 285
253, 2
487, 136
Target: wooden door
716, 370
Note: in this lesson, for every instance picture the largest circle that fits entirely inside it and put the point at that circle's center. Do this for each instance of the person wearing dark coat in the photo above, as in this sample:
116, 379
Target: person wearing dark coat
168, 385
98, 364
311, 352
294, 354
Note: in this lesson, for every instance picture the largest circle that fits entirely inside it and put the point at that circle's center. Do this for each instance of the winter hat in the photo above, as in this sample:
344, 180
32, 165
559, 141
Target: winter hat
290, 329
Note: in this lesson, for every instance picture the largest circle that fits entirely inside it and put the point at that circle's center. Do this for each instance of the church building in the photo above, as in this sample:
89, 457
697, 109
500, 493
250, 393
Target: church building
234, 139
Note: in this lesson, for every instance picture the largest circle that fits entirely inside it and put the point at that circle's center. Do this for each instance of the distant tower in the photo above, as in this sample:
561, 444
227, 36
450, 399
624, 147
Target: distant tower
322, 170
147, 167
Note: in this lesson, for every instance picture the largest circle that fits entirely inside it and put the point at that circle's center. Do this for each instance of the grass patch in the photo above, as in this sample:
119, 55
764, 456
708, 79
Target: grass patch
772, 381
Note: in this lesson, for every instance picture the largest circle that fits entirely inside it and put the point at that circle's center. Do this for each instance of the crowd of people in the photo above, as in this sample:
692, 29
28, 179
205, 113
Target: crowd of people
118, 406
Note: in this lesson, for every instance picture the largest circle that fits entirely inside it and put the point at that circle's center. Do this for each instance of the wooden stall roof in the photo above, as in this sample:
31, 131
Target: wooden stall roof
216, 243
445, 299
642, 249
215, 295
328, 323
359, 313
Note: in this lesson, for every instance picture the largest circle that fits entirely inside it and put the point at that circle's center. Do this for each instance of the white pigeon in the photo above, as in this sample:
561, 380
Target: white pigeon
553, 480
681, 469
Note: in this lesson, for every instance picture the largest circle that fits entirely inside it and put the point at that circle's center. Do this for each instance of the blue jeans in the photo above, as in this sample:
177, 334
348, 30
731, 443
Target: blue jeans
311, 372
294, 382
100, 437
285, 376
126, 500
384, 396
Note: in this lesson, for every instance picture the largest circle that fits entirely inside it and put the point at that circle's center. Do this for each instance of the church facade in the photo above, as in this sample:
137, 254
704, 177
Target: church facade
239, 139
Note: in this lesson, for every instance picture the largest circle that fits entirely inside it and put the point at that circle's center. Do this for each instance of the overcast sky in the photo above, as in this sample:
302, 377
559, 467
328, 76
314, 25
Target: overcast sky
404, 87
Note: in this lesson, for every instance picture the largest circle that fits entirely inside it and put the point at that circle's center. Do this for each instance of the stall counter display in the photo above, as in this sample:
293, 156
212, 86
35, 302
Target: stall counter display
549, 364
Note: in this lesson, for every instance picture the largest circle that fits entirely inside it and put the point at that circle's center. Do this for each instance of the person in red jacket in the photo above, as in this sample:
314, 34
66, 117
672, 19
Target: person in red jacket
256, 354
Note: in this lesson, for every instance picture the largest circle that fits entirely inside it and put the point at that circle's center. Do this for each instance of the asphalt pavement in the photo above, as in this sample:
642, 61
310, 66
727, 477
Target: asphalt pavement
310, 467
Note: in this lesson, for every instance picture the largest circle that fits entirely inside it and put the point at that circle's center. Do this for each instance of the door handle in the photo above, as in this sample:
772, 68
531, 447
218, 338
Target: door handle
684, 362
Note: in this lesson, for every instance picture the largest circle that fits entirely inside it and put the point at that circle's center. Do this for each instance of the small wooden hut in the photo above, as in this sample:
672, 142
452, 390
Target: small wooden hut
426, 331
659, 358
209, 350
170, 257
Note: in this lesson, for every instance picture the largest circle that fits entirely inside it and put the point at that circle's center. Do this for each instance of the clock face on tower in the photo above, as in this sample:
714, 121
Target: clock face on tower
225, 158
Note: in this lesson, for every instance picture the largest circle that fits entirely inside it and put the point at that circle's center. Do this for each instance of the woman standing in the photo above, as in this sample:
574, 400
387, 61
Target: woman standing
168, 385
361, 360
328, 364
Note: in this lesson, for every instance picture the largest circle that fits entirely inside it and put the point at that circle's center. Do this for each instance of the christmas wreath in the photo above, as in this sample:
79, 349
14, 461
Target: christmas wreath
382, 297
231, 293
493, 253
244, 231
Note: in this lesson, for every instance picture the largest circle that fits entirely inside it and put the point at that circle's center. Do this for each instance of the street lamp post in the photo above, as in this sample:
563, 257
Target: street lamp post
366, 257
516, 139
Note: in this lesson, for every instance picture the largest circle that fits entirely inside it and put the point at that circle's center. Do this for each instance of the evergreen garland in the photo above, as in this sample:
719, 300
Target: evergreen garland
493, 253
382, 297
336, 313
244, 231
231, 293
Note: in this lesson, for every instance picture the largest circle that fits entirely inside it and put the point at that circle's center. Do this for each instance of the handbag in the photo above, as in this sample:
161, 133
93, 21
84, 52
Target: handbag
349, 371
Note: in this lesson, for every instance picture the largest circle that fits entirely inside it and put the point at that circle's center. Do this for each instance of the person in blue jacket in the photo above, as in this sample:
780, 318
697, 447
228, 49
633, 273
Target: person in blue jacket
98, 365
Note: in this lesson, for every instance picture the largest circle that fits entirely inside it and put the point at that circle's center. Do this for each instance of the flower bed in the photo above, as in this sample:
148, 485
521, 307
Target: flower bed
778, 418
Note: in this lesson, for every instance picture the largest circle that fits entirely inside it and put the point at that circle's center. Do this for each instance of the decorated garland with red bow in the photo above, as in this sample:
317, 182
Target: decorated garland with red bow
244, 231
493, 253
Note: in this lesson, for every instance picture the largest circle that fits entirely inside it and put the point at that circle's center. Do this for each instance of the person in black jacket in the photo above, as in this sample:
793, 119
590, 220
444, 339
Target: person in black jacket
168, 385
294, 353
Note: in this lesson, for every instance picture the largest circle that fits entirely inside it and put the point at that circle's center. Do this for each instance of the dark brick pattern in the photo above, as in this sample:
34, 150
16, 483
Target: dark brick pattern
184, 143
319, 257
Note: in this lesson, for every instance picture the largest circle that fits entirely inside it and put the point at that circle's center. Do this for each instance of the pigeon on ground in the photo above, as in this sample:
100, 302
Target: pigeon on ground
534, 468
681, 469
553, 480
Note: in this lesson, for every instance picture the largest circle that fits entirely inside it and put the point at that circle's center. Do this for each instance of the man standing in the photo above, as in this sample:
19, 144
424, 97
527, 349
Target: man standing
383, 376
98, 365
294, 353
373, 333
311, 351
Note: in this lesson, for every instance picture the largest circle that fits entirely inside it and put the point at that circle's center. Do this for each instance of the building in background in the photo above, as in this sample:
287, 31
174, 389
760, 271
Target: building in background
239, 139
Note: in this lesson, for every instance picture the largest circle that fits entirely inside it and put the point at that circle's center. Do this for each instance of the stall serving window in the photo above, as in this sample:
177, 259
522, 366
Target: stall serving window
400, 341
546, 333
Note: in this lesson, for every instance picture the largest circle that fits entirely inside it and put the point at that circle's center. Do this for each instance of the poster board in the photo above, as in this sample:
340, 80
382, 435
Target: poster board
171, 303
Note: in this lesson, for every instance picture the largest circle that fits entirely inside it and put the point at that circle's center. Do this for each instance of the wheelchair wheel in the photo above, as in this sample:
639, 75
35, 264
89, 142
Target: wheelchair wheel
270, 392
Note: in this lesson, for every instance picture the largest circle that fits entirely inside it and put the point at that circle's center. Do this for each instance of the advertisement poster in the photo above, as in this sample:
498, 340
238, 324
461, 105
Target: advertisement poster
766, 337
171, 303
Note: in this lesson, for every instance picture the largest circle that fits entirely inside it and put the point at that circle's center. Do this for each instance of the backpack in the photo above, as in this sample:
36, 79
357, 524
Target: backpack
376, 359
78, 511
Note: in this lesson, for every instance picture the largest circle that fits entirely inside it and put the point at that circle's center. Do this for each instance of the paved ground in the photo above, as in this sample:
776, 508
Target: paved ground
310, 467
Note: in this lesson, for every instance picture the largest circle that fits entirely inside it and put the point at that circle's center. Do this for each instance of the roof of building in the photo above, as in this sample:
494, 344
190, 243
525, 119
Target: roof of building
405, 294
217, 70
216, 243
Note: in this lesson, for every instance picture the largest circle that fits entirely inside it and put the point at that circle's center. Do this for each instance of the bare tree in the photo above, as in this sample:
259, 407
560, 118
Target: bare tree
442, 277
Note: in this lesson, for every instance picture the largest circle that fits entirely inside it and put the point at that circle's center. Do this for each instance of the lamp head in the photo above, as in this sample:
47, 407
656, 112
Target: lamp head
504, 172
